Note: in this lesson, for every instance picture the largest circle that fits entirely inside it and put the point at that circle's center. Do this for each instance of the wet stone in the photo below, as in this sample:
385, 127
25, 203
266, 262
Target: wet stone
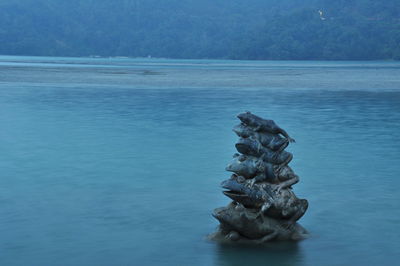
264, 207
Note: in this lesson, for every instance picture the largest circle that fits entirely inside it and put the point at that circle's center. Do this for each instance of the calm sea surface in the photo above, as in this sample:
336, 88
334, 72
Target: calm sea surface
119, 161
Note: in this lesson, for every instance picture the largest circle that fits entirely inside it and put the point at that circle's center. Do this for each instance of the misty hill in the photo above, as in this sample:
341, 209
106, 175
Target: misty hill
237, 29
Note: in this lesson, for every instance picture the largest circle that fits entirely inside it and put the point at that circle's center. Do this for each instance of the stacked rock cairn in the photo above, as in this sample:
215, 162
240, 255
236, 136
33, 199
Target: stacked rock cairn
264, 207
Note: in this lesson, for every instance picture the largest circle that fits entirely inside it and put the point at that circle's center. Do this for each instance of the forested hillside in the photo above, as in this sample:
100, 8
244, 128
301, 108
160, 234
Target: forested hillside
237, 29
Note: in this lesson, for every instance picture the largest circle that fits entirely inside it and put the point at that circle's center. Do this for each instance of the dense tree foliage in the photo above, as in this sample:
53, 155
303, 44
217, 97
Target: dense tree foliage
238, 29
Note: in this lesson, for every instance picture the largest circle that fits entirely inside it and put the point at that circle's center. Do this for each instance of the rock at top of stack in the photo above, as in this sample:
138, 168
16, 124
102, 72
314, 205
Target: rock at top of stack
263, 125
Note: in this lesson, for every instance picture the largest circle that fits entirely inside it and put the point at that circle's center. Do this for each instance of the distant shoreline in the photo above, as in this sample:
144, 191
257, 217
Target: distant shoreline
178, 58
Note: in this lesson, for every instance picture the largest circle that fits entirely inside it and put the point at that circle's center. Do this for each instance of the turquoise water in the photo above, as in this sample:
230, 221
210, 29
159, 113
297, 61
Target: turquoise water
118, 161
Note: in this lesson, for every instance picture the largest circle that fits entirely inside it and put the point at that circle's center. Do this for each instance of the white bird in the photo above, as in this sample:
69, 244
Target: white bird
321, 14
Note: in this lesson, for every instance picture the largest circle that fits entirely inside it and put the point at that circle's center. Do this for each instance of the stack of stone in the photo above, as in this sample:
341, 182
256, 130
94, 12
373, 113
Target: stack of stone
264, 207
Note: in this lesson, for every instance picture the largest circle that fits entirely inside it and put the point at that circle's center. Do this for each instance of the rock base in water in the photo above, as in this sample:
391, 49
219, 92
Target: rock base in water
247, 226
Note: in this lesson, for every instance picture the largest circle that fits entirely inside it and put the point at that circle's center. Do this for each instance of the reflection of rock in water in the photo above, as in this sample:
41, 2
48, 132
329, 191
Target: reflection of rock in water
151, 72
264, 207
282, 253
